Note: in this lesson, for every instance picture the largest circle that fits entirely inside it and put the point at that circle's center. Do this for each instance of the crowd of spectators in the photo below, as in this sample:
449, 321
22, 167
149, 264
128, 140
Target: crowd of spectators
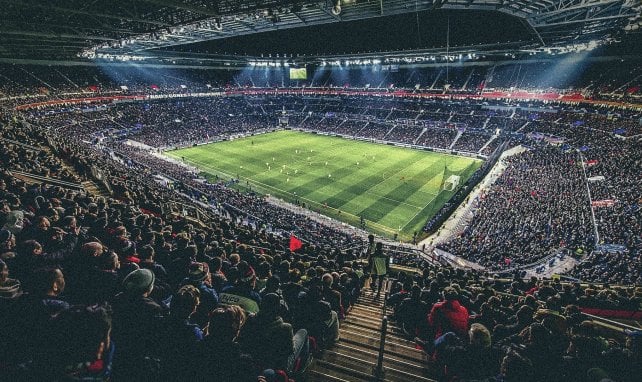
482, 329
94, 288
471, 141
437, 124
537, 204
570, 128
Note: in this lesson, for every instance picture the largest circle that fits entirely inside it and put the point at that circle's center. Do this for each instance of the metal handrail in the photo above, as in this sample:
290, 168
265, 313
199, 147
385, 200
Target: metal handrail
619, 325
48, 180
378, 371
385, 300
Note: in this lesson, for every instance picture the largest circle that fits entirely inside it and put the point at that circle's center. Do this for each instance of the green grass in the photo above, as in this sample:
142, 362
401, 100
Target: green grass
395, 189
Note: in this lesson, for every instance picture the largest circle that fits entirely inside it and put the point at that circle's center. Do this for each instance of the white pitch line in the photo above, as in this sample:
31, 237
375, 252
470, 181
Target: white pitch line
413, 218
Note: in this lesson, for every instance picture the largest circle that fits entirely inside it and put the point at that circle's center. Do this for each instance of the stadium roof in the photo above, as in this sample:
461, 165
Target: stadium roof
37, 29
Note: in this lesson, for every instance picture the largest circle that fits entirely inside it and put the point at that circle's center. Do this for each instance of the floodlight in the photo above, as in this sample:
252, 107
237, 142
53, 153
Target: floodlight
336, 9
218, 24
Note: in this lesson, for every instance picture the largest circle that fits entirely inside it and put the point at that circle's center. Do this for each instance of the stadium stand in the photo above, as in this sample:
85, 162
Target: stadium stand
122, 261
74, 248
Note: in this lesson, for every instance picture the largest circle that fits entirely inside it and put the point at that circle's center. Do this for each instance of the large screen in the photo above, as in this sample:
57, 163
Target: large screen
298, 74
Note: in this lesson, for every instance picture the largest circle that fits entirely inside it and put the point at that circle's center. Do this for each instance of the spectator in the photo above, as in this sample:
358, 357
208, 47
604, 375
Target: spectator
379, 265
271, 341
180, 337
222, 355
449, 315
136, 323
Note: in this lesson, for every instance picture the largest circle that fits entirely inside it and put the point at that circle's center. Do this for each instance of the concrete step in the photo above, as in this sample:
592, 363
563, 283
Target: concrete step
353, 357
402, 348
92, 188
372, 309
414, 365
375, 331
375, 326
365, 366
324, 375
338, 371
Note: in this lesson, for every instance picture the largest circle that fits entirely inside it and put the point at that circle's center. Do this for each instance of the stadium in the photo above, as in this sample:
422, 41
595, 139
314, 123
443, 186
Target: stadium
321, 190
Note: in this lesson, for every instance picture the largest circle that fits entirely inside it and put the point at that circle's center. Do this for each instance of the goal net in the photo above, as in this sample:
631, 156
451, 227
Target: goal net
452, 182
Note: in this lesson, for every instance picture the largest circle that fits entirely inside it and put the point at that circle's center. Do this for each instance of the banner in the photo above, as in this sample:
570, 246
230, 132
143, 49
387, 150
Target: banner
554, 140
604, 203
596, 178
610, 248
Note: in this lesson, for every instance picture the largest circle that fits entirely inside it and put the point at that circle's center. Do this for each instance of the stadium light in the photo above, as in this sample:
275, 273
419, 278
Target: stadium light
336, 9
218, 24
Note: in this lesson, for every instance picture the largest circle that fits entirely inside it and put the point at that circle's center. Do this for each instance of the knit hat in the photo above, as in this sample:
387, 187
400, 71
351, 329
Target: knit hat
198, 272
139, 281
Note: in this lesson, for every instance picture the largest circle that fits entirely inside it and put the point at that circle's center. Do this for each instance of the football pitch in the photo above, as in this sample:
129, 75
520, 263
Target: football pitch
394, 189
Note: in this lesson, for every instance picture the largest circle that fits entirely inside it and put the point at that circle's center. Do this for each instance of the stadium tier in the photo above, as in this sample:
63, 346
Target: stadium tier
354, 197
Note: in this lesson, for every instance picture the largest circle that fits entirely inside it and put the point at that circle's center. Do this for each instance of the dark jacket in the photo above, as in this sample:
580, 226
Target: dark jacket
268, 340
136, 322
179, 349
224, 362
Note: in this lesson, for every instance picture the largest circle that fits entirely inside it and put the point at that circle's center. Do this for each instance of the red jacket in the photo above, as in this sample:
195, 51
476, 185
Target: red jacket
449, 316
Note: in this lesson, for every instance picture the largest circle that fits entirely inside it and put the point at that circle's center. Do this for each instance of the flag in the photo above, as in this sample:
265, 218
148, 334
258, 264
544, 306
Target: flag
93, 88
584, 148
295, 243
154, 87
619, 131
183, 86
596, 178
592, 162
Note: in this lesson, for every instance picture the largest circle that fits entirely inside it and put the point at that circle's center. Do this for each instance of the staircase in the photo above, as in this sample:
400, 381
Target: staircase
354, 357
94, 189
459, 133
